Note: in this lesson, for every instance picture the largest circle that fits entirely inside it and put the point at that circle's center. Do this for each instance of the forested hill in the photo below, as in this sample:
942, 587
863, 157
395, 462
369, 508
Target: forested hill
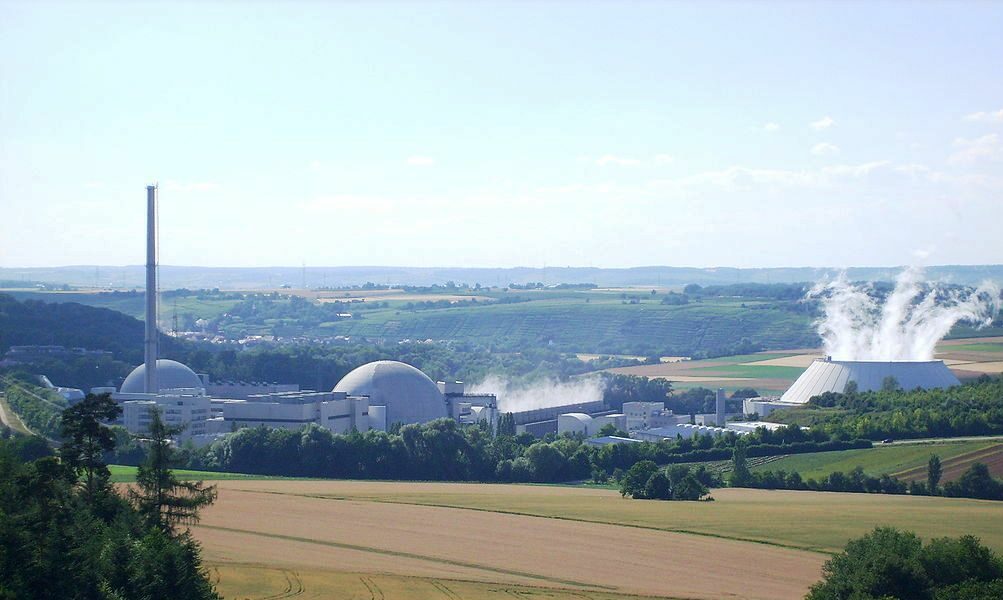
72, 325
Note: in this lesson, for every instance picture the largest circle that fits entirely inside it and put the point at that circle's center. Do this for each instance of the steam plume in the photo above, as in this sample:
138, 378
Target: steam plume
907, 326
513, 397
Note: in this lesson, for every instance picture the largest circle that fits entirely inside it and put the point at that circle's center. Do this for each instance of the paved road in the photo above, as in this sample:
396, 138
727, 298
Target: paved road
973, 438
10, 420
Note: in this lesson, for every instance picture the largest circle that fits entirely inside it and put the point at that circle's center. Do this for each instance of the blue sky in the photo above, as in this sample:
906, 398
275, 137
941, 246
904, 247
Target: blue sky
481, 134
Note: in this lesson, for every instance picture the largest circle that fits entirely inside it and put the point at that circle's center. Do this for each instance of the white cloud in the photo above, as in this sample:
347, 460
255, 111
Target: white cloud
973, 150
823, 123
771, 127
860, 170
986, 117
663, 159
824, 149
738, 177
420, 161
620, 161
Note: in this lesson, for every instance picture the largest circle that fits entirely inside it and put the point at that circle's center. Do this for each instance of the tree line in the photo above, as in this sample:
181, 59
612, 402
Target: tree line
976, 482
974, 408
448, 451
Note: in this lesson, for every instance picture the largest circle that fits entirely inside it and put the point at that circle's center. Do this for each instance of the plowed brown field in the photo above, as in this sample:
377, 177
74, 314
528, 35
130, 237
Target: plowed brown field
953, 467
286, 525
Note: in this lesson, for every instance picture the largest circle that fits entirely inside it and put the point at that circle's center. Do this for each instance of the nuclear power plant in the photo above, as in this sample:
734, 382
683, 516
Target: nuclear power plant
374, 396
381, 394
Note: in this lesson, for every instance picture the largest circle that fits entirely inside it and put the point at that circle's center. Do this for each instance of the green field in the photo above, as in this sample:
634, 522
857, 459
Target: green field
611, 325
976, 347
876, 461
752, 371
127, 474
606, 321
133, 304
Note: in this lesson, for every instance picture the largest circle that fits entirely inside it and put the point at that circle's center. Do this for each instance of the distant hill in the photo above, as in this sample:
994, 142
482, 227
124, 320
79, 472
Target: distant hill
69, 324
173, 277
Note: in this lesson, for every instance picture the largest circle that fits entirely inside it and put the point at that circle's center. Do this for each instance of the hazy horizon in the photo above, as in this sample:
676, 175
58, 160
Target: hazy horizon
488, 135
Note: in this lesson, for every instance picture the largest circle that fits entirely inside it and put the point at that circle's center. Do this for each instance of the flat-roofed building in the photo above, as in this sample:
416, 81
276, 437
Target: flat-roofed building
336, 411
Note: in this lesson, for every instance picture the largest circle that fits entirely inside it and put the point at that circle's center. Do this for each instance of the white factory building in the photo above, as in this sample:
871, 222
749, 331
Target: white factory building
373, 396
294, 410
180, 398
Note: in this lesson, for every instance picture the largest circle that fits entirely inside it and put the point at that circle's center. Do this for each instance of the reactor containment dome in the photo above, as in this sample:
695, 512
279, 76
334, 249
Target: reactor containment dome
826, 375
408, 394
171, 375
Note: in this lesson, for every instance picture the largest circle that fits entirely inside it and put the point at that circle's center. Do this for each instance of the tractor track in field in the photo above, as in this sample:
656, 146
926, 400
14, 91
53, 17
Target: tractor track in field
448, 593
375, 593
294, 586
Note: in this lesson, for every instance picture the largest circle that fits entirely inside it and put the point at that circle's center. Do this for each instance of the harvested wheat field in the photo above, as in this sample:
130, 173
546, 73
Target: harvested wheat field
254, 581
312, 527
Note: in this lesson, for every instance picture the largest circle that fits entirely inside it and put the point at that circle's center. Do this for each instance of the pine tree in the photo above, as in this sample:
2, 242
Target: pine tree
86, 440
740, 475
161, 498
933, 473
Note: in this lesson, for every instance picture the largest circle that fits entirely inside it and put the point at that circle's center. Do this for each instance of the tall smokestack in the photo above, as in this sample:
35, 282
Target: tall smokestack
150, 340
719, 408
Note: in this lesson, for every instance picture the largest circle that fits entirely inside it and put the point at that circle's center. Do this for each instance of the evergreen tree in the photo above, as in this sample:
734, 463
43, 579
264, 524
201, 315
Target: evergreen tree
740, 475
86, 440
933, 473
161, 498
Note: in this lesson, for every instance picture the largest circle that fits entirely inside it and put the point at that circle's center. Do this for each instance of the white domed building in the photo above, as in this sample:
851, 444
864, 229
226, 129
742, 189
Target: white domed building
406, 394
180, 399
171, 375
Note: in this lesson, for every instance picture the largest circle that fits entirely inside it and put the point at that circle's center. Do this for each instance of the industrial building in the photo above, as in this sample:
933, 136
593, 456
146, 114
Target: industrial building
541, 421
684, 430
246, 389
587, 425
179, 396
608, 440
827, 375
335, 411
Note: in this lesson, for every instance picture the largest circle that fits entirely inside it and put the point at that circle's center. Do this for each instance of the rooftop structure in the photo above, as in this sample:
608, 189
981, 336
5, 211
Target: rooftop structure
171, 375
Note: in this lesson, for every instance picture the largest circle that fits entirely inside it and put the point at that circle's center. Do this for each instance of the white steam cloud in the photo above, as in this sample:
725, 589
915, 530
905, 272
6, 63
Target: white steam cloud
906, 326
514, 397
